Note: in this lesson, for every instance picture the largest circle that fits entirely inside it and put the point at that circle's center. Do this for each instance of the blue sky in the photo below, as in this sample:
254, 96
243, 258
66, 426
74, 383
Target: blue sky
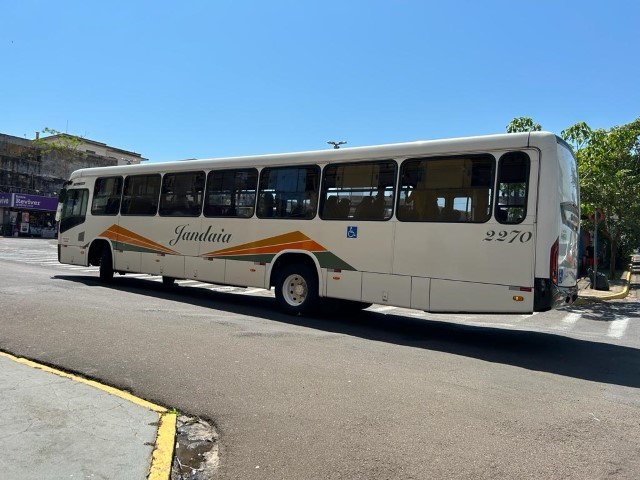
199, 79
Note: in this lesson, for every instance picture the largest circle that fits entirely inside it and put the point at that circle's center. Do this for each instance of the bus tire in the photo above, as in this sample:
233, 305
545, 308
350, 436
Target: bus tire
168, 281
106, 265
297, 289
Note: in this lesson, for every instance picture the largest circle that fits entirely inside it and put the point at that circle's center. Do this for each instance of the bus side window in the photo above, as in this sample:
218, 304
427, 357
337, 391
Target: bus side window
140, 195
289, 192
446, 189
368, 187
231, 193
106, 196
513, 188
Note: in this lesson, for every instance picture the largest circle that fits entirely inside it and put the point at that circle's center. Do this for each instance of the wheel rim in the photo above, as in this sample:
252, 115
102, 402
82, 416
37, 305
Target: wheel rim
295, 290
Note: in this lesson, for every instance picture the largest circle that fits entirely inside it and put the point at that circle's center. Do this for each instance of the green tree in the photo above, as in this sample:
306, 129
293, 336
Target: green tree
523, 124
61, 147
58, 142
609, 170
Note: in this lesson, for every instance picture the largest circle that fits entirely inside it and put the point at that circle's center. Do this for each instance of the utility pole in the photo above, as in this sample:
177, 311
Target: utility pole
595, 250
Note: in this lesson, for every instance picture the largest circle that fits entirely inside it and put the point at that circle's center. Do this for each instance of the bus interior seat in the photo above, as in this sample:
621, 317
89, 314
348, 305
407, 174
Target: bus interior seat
113, 204
365, 208
266, 206
378, 207
331, 208
344, 206
450, 215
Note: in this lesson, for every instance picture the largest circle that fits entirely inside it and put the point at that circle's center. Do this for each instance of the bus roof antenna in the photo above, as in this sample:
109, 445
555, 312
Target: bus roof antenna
336, 145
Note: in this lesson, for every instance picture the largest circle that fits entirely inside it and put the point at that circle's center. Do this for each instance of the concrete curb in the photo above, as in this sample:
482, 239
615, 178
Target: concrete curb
162, 456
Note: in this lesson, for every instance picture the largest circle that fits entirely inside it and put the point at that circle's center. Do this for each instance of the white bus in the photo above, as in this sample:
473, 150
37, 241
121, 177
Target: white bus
479, 224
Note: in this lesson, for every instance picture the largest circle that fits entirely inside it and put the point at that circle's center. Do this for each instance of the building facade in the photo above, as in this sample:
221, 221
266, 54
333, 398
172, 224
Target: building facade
32, 173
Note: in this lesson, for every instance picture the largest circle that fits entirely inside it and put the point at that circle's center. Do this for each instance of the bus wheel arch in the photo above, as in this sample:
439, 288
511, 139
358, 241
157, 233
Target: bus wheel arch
296, 280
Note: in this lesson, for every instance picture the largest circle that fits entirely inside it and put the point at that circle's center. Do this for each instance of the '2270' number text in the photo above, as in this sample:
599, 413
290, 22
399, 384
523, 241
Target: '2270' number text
508, 236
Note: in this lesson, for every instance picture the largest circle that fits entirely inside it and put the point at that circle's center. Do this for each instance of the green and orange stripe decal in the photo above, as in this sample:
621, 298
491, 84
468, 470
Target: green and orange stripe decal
259, 251
123, 239
264, 250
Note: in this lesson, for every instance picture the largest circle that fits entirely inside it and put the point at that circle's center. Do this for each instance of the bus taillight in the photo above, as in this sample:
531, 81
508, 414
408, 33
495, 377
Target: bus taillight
554, 261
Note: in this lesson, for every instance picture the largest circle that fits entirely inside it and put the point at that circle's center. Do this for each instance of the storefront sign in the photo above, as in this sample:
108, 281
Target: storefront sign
6, 199
34, 202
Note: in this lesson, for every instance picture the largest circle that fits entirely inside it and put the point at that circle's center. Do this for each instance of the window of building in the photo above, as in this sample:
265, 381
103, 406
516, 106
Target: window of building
451, 189
362, 191
106, 196
182, 194
288, 192
231, 193
513, 187
140, 195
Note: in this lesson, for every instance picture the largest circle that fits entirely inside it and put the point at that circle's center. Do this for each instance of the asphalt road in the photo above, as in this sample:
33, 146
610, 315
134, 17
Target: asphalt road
387, 394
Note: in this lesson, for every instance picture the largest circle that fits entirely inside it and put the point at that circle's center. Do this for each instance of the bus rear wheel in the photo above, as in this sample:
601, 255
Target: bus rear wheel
168, 281
297, 289
106, 265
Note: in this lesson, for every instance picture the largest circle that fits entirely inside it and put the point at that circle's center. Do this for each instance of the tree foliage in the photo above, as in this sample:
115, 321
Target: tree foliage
58, 143
523, 124
609, 169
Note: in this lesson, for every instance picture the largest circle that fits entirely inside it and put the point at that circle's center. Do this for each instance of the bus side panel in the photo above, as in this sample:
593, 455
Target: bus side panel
245, 273
205, 269
420, 293
386, 289
163, 264
346, 285
151, 244
452, 296
72, 253
365, 246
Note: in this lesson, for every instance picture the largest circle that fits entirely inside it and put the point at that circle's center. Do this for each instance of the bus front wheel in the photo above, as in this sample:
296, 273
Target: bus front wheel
106, 265
297, 289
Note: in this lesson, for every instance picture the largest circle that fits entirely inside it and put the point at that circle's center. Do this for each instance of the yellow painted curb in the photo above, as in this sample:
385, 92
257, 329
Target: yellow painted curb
614, 296
162, 455
625, 290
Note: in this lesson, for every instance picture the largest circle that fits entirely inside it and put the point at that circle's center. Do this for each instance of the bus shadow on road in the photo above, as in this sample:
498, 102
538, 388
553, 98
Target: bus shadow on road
549, 352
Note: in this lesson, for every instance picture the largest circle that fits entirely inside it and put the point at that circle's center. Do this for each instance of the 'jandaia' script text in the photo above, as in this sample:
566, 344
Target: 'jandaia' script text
207, 236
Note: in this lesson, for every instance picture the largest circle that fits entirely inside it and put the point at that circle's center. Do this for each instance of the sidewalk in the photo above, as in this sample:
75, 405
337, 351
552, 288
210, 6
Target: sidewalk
55, 425
619, 288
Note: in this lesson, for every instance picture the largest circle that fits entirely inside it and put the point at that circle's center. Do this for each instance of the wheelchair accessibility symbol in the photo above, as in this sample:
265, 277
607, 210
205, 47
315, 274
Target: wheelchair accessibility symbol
352, 232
